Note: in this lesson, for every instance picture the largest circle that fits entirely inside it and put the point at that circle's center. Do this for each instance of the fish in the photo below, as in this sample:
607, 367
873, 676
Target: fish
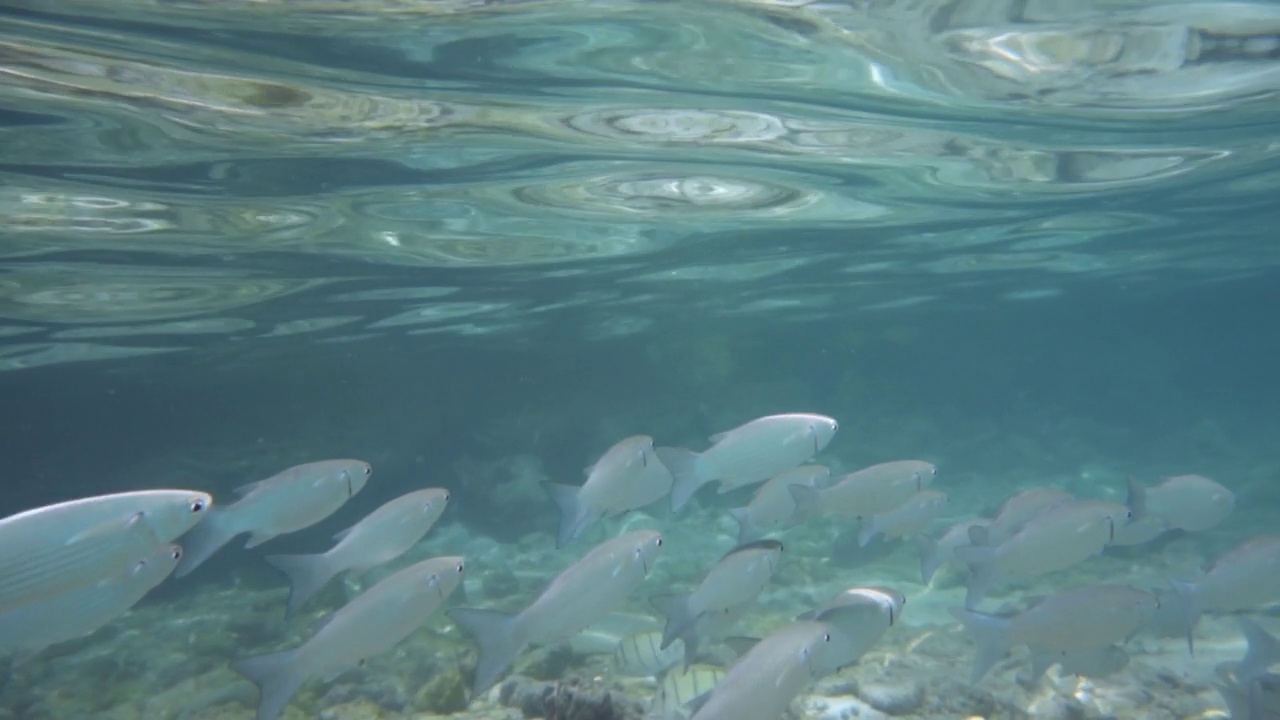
29, 629
51, 550
641, 654
374, 622
1140, 530
764, 681
772, 506
1057, 538
1077, 620
1249, 690
287, 501
680, 687
1021, 507
937, 553
869, 491
1246, 576
857, 617
581, 595
739, 576
1099, 663
627, 477
602, 637
1193, 503
383, 535
748, 454
910, 518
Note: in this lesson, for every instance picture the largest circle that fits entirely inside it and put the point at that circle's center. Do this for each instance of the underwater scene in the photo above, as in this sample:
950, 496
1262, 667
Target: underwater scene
639, 360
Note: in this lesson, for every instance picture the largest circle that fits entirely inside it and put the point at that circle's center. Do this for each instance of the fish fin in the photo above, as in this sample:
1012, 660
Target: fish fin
495, 634
307, 575
247, 488
1135, 499
981, 572
808, 502
277, 678
718, 437
1264, 651
746, 529
690, 640
929, 560
342, 534
740, 645
1188, 595
992, 636
257, 538
685, 469
676, 609
867, 531
206, 538
573, 518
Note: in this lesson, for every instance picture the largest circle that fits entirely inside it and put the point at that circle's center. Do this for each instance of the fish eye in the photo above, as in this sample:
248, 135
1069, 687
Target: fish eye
447, 496
197, 505
659, 542
368, 470
459, 567
176, 553
826, 637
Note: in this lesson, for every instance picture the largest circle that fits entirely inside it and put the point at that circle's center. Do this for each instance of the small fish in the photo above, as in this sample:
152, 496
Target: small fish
383, 535
1021, 507
628, 476
376, 621
772, 506
55, 549
290, 500
1078, 620
748, 454
1244, 577
1186, 502
641, 654
736, 578
1057, 538
937, 553
31, 628
679, 688
869, 491
857, 617
910, 518
764, 681
583, 594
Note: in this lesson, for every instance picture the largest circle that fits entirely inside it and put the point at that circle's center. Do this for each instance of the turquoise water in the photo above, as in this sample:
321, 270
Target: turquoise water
476, 244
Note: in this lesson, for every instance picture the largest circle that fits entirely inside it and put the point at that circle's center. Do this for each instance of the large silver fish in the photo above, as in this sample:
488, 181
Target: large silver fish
858, 617
772, 507
1185, 502
1078, 620
31, 628
1057, 538
584, 593
908, 519
736, 578
383, 535
869, 491
287, 501
369, 625
628, 476
55, 549
748, 454
1244, 577
764, 681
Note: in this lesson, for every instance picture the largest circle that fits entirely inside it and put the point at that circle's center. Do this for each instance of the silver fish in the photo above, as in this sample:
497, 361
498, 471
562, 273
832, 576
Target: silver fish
584, 593
869, 491
681, 687
287, 501
31, 628
1078, 620
772, 507
383, 535
1021, 507
910, 518
1186, 502
736, 578
748, 454
51, 550
857, 617
628, 476
642, 654
937, 553
374, 622
1057, 538
764, 681
1244, 577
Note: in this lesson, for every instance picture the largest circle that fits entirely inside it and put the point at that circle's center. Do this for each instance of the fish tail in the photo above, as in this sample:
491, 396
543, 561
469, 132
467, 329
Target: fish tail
205, 539
306, 573
1135, 499
685, 468
1264, 651
495, 634
868, 531
991, 634
679, 619
746, 528
573, 519
980, 560
808, 502
277, 678
1188, 595
929, 559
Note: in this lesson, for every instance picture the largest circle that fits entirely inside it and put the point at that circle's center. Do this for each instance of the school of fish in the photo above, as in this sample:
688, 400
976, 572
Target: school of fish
70, 568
